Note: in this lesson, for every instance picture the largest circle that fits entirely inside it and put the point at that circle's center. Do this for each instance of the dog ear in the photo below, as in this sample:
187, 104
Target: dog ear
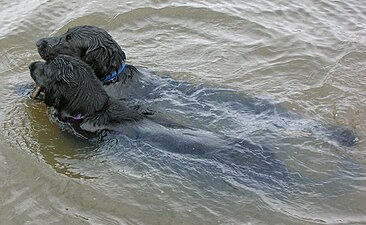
53, 97
103, 55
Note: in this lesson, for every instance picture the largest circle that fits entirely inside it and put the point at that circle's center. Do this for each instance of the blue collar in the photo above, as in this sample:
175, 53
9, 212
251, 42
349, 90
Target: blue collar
111, 78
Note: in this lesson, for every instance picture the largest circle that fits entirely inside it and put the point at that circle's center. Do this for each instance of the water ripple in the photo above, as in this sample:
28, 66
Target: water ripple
308, 57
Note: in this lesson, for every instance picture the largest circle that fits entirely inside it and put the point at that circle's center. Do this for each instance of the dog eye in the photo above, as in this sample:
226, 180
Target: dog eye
68, 38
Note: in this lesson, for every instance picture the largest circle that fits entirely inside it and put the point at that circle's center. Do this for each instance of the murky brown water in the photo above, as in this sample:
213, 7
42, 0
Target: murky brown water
308, 56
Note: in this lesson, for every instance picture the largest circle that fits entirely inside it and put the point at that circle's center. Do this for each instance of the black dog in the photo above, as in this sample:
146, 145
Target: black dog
97, 48
68, 82
91, 44
72, 88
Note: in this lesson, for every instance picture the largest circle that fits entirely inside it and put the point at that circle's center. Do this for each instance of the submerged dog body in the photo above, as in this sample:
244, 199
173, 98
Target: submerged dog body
97, 48
68, 82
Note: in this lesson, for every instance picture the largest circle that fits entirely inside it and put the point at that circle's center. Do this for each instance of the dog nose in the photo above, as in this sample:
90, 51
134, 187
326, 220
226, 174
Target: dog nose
41, 43
31, 67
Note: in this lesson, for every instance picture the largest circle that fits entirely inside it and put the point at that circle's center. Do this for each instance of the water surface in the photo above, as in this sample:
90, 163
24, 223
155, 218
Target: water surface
264, 72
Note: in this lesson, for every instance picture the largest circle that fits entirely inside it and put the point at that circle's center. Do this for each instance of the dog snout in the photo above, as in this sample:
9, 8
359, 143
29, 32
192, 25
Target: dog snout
32, 66
35, 65
41, 43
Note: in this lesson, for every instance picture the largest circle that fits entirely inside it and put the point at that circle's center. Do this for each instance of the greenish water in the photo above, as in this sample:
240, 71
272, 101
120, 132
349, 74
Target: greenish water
308, 57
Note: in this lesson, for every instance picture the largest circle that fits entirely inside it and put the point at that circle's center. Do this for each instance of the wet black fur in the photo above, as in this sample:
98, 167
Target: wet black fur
91, 44
72, 89
98, 49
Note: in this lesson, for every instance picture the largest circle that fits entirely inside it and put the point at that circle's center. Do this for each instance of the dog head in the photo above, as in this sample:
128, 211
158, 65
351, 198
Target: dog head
70, 85
91, 44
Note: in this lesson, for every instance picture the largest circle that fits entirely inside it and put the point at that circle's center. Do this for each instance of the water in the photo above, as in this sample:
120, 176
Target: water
263, 72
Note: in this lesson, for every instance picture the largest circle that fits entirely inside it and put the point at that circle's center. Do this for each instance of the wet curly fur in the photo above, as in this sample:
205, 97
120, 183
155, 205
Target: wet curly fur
68, 83
99, 50
91, 44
